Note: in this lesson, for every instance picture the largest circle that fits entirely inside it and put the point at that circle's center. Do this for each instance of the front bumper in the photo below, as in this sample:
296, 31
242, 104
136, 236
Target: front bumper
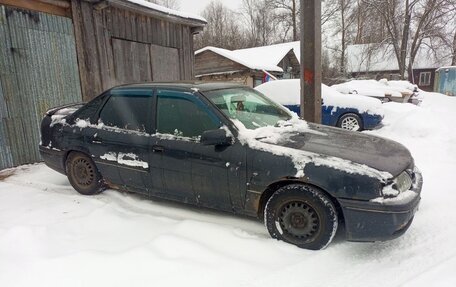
380, 220
372, 122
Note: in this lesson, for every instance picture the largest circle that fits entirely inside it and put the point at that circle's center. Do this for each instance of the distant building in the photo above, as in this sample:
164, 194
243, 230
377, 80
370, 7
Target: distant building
445, 81
251, 66
379, 61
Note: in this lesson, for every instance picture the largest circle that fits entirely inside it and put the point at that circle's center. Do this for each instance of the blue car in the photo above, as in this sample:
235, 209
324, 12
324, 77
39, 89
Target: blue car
350, 112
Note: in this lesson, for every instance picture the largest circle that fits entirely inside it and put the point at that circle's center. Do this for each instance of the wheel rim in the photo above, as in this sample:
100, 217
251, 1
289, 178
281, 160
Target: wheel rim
350, 123
299, 221
83, 172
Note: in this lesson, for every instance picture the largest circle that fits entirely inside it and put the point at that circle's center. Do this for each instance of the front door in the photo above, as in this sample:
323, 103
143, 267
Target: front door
191, 172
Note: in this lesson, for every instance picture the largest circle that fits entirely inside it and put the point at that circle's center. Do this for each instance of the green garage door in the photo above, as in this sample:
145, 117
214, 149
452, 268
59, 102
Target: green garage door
38, 70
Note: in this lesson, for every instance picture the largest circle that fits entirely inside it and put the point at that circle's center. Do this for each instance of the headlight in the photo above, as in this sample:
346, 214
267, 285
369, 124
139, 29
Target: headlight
401, 183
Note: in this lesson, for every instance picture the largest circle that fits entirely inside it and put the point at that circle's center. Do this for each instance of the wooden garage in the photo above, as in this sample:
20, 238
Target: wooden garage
54, 52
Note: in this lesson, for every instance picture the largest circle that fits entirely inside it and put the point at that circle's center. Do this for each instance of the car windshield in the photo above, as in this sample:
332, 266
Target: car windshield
250, 107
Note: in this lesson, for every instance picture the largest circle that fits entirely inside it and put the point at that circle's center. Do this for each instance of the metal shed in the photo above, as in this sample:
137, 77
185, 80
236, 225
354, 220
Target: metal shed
54, 52
445, 81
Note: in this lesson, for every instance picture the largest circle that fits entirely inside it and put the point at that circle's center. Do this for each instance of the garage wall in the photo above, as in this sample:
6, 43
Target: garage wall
38, 70
117, 46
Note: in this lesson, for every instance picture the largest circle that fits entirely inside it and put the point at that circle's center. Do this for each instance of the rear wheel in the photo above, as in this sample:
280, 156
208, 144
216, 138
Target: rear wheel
301, 215
83, 174
351, 122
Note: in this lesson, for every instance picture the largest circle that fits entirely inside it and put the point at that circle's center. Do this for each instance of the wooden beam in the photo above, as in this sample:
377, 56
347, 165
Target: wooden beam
311, 60
39, 6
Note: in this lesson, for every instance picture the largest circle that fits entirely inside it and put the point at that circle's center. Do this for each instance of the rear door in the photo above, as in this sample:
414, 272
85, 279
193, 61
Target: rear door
120, 141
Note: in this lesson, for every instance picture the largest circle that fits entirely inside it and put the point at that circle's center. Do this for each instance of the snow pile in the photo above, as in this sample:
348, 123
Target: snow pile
373, 88
52, 236
287, 92
405, 85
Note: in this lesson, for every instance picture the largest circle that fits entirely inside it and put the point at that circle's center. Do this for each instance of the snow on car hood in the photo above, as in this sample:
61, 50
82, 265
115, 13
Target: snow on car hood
307, 143
287, 92
379, 153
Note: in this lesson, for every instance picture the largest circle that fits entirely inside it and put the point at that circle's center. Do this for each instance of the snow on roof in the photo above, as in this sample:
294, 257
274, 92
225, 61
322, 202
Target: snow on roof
168, 11
258, 58
447, 68
370, 58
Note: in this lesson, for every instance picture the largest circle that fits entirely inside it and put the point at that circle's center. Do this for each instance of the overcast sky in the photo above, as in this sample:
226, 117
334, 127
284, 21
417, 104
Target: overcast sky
196, 6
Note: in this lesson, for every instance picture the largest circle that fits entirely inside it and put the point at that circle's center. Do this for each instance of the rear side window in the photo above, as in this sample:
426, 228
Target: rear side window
89, 110
179, 115
129, 112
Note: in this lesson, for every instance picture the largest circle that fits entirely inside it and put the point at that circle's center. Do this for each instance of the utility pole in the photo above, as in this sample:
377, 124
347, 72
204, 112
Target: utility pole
311, 60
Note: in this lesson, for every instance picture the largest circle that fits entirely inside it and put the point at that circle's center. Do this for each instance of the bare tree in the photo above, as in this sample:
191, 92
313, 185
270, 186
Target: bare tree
287, 14
453, 60
222, 29
409, 23
260, 22
342, 21
172, 4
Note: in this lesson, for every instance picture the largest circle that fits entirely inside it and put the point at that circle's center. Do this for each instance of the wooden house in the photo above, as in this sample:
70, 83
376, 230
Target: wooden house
379, 62
54, 52
251, 66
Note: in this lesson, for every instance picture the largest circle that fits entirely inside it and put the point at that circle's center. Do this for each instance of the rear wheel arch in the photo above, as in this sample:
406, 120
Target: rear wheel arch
83, 173
75, 149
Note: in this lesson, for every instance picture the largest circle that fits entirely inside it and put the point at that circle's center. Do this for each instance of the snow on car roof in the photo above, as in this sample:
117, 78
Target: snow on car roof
378, 89
287, 92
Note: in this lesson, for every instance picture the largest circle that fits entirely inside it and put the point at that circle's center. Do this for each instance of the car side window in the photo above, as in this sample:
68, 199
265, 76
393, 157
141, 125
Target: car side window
129, 112
179, 115
89, 110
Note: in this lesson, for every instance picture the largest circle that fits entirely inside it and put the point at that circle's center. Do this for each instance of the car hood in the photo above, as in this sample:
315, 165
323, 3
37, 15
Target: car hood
376, 152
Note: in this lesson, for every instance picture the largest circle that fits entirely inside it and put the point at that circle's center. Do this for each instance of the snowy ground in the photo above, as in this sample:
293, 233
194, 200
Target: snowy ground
51, 236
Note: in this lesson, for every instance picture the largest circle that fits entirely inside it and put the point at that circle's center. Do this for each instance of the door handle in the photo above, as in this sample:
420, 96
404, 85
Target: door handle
158, 148
97, 142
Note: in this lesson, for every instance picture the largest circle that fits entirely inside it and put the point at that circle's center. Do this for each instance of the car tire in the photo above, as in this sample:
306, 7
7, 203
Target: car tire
351, 122
83, 174
301, 215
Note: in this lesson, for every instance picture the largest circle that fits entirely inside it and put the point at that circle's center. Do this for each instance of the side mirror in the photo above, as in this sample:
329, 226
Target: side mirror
216, 137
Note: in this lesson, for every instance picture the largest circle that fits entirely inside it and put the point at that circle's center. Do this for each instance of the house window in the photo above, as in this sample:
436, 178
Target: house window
425, 79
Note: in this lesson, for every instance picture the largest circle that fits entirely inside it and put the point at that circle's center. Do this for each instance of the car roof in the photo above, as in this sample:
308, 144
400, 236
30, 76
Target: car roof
182, 85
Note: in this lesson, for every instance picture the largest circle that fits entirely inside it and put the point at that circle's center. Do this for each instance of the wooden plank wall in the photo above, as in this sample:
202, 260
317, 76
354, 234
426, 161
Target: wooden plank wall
290, 60
209, 62
103, 36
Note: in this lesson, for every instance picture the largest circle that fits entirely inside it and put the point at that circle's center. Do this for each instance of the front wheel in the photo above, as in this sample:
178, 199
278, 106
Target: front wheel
83, 174
351, 122
301, 215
